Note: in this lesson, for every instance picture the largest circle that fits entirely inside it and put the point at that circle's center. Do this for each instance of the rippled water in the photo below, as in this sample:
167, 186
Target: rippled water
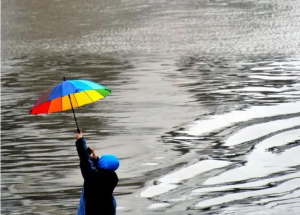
204, 113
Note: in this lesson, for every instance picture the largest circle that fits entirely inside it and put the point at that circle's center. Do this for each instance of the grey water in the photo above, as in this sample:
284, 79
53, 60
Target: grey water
204, 111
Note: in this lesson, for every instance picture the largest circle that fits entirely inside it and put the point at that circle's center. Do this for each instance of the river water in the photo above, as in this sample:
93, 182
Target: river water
204, 111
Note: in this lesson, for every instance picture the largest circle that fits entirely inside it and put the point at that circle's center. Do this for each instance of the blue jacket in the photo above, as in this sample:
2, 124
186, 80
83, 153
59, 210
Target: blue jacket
99, 183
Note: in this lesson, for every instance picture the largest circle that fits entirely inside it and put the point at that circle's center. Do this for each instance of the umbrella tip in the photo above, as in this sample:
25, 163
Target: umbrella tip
64, 78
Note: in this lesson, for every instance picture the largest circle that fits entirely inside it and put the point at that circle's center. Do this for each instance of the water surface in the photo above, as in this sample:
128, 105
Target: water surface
204, 111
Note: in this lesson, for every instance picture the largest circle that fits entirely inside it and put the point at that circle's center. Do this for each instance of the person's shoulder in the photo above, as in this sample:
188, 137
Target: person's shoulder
107, 173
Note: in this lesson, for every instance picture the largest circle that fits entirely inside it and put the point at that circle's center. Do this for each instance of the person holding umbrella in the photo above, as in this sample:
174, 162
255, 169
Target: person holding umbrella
100, 180
99, 174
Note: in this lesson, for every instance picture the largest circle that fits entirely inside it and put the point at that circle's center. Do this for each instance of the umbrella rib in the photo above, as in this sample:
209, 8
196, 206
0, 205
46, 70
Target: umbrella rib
76, 99
61, 97
89, 96
48, 107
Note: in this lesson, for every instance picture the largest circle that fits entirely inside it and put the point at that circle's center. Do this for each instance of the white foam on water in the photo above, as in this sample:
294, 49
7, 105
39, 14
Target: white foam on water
159, 158
284, 187
193, 170
170, 181
252, 89
158, 205
254, 184
156, 190
291, 93
184, 138
262, 163
288, 96
272, 77
223, 91
294, 194
216, 4
262, 68
261, 89
279, 140
184, 198
293, 63
218, 122
149, 164
256, 131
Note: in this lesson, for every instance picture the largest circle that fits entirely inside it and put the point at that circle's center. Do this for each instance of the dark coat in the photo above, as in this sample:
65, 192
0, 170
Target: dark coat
99, 184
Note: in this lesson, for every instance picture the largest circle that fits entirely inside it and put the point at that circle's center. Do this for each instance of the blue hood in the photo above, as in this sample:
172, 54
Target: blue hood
110, 162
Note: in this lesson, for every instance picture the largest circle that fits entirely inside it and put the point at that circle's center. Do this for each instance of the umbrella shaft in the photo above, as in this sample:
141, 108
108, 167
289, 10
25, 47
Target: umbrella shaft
78, 131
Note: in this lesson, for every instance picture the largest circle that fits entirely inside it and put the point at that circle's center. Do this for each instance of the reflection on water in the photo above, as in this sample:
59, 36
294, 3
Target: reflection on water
260, 141
203, 113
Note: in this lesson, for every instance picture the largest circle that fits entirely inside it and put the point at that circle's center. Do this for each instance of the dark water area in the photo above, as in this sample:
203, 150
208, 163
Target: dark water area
204, 111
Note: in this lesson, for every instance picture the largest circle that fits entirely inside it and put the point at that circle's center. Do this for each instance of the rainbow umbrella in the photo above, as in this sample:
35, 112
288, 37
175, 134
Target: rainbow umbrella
69, 94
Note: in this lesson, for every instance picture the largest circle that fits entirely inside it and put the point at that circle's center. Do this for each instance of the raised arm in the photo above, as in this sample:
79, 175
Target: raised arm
82, 149
87, 165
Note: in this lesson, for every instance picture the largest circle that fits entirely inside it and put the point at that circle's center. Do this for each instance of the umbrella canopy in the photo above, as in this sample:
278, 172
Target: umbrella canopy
79, 92
69, 94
